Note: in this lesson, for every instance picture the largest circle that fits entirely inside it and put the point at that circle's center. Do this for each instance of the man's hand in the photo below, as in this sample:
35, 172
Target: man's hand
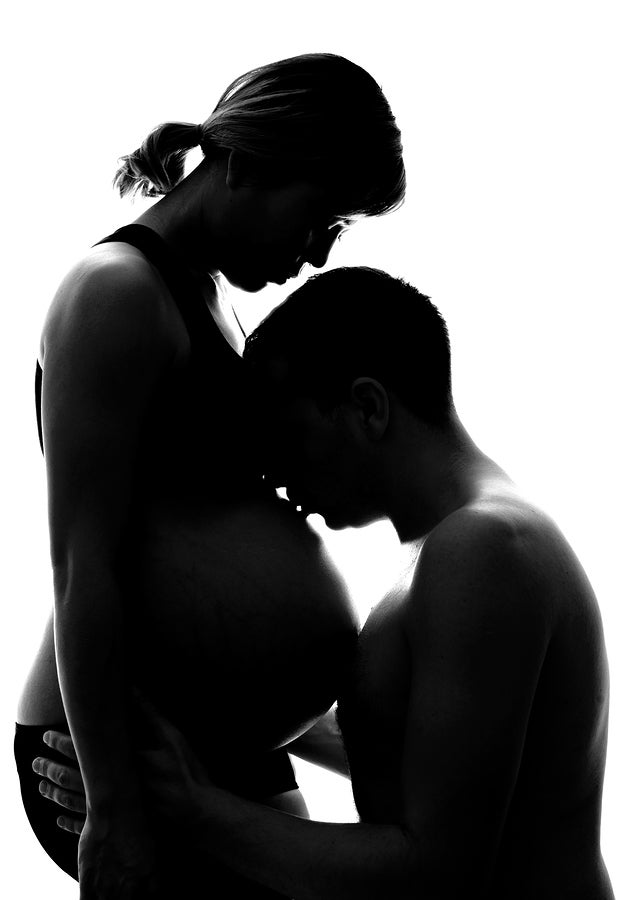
172, 775
115, 857
62, 782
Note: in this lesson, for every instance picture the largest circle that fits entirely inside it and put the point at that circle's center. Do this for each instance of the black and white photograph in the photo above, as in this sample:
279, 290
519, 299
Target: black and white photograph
313, 461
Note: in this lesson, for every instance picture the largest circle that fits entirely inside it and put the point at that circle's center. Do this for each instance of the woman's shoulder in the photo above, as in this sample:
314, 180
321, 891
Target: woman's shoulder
113, 290
112, 275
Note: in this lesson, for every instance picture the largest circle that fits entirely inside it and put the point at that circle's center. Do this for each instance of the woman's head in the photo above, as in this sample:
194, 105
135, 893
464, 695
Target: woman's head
317, 118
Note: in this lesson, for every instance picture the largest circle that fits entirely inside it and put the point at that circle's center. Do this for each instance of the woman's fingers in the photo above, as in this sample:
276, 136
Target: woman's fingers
61, 742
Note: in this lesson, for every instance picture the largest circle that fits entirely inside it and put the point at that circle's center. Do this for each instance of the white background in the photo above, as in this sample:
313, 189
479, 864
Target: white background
513, 120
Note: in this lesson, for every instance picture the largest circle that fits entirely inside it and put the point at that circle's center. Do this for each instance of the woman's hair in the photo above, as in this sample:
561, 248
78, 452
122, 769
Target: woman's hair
316, 117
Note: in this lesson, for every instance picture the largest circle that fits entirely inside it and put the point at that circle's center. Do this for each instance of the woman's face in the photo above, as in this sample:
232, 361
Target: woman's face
269, 232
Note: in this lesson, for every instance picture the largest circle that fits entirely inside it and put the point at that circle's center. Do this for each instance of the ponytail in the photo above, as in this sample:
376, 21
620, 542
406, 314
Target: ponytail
318, 117
159, 164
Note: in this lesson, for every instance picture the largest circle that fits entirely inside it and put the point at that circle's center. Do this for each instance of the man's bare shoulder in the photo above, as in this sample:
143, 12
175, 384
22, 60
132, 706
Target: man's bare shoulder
498, 552
498, 523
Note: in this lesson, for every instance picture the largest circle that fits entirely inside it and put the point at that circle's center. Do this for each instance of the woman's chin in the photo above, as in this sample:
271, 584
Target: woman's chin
248, 283
250, 279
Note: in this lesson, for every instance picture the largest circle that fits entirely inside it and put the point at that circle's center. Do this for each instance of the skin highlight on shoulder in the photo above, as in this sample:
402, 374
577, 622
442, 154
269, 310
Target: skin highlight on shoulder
112, 291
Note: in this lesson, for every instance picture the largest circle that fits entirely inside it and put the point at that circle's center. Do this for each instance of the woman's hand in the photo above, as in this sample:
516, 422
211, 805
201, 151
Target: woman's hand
62, 782
117, 858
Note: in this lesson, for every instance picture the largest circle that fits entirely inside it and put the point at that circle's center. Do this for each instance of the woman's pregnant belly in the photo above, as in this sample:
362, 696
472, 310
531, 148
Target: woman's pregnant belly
240, 627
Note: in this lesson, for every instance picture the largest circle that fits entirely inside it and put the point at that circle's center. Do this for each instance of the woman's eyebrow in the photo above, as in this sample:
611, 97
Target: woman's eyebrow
343, 221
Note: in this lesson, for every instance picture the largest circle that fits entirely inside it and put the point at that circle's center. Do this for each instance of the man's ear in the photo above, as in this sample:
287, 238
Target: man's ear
373, 405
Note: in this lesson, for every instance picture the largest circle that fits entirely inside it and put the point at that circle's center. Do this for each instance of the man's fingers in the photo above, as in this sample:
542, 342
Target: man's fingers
66, 777
67, 823
61, 742
68, 799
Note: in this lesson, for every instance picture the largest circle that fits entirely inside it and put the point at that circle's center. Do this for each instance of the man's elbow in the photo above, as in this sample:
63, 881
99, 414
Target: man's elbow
425, 875
408, 882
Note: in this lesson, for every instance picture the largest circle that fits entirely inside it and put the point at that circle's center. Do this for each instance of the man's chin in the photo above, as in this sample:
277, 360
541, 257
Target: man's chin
334, 520
340, 520
331, 520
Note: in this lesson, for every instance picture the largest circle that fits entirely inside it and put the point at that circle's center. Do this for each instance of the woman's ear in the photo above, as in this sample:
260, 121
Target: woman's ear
373, 406
239, 170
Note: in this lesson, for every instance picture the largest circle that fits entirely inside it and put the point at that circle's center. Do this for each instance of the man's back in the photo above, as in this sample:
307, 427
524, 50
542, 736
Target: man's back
477, 716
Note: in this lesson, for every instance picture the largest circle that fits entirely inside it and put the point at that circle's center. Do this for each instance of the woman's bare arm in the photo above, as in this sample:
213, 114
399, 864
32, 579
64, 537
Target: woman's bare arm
105, 344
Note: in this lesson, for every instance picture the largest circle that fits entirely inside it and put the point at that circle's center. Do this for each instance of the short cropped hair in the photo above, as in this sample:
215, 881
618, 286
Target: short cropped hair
356, 322
317, 117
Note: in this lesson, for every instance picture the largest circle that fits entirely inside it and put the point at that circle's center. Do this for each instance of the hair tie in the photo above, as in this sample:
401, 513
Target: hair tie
199, 134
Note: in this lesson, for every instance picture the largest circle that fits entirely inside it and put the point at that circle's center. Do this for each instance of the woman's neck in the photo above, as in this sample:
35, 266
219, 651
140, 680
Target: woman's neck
177, 219
180, 218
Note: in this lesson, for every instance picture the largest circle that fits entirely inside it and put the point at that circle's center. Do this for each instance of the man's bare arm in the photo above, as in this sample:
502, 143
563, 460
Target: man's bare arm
322, 745
478, 628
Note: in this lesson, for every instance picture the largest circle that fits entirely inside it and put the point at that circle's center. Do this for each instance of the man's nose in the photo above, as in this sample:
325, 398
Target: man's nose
319, 245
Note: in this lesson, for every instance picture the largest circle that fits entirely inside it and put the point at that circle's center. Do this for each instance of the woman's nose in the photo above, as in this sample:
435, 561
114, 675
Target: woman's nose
319, 245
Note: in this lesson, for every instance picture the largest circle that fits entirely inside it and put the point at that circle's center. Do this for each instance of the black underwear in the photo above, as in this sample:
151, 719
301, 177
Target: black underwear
180, 875
42, 814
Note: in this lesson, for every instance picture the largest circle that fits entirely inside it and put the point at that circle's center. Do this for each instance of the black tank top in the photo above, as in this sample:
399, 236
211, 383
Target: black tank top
198, 437
198, 443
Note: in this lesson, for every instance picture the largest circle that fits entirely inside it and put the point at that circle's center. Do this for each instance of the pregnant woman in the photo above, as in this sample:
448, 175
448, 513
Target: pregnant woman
176, 567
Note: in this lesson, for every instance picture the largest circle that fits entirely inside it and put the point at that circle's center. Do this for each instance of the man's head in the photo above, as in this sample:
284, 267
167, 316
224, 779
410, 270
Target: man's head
340, 362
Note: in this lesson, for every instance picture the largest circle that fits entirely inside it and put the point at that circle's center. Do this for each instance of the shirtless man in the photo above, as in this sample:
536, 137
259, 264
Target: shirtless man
475, 720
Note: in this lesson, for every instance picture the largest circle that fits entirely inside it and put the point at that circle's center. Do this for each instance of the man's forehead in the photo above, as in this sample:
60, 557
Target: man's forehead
276, 370
277, 378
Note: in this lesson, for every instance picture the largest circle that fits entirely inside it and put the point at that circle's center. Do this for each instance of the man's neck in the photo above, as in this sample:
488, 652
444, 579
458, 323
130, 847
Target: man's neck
437, 472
